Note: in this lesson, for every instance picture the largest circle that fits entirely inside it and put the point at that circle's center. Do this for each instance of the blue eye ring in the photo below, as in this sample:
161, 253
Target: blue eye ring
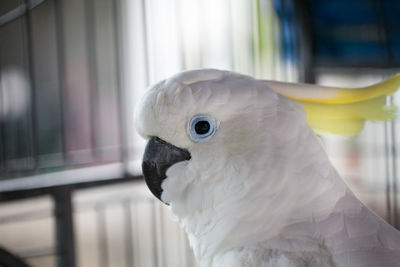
202, 127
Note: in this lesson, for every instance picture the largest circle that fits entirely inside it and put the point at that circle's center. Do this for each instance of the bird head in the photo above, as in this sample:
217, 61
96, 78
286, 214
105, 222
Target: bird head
208, 131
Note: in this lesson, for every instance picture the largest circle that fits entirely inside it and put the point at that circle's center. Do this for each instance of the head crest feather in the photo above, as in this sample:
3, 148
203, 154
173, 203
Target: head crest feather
341, 110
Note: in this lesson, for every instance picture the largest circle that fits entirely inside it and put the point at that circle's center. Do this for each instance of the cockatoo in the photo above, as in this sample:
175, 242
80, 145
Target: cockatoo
240, 167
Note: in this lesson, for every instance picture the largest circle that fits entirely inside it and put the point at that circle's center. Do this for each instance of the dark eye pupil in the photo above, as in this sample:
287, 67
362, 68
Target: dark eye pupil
202, 127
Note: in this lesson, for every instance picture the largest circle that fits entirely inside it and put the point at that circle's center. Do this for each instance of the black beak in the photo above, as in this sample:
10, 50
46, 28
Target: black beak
158, 157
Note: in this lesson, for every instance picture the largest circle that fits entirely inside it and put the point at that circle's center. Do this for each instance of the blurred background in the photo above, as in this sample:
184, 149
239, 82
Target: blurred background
71, 71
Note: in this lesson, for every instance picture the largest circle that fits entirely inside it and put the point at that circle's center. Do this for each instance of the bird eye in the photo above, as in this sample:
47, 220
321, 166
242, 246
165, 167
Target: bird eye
202, 127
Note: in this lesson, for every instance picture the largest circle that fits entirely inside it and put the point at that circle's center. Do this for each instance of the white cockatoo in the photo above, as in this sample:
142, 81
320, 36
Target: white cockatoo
240, 167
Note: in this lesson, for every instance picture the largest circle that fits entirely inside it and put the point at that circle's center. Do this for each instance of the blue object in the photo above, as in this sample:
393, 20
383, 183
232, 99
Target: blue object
345, 32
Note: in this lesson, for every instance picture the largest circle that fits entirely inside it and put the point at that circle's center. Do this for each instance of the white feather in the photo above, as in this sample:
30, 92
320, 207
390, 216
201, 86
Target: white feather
262, 191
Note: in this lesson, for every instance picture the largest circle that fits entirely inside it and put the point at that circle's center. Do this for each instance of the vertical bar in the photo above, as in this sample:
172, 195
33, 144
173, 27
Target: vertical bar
146, 41
119, 78
389, 56
379, 28
136, 233
3, 170
128, 234
305, 54
64, 228
154, 226
383, 31
2, 116
394, 168
179, 35
387, 173
386, 54
255, 14
200, 6
102, 232
2, 148
229, 10
161, 236
30, 58
61, 71
93, 84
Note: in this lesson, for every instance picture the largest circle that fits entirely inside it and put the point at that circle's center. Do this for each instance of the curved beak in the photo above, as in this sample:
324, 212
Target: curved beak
158, 157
